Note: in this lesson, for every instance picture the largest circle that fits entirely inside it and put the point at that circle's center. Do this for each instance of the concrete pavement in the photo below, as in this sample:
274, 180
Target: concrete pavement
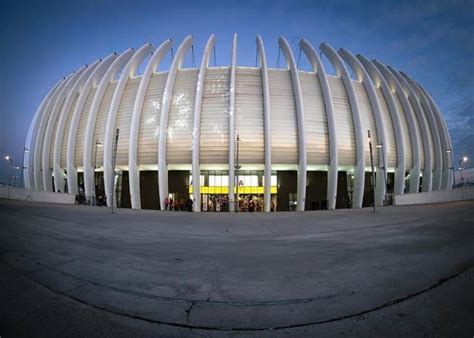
295, 273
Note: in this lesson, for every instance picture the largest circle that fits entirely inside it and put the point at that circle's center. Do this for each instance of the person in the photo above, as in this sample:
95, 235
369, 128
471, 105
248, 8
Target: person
167, 204
181, 204
190, 204
251, 206
171, 204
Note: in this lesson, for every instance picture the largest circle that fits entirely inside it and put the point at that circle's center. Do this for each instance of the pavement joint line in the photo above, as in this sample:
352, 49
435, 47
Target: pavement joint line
440, 282
173, 299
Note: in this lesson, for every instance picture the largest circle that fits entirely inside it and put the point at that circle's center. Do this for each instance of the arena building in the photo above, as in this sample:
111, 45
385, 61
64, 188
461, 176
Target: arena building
273, 139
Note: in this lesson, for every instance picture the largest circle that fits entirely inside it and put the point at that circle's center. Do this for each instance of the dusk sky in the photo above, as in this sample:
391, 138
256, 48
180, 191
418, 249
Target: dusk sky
433, 41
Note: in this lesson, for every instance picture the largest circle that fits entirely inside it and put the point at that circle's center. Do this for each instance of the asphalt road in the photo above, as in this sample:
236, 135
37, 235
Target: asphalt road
81, 271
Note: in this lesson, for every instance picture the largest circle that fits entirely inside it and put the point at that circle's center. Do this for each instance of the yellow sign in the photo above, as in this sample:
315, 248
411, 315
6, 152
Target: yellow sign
242, 190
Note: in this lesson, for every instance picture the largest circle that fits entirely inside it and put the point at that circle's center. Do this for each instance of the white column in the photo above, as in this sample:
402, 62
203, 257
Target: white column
196, 143
267, 172
133, 170
110, 74
165, 108
435, 133
31, 137
127, 72
233, 66
318, 68
93, 80
38, 146
448, 182
302, 163
425, 132
46, 165
397, 88
364, 77
379, 81
359, 170
58, 140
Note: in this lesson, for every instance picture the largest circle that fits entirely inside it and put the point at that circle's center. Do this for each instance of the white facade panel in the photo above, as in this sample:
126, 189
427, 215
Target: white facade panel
249, 115
215, 116
81, 130
67, 127
420, 138
431, 136
100, 123
343, 121
406, 133
180, 122
124, 119
368, 122
53, 136
284, 128
316, 126
390, 148
150, 120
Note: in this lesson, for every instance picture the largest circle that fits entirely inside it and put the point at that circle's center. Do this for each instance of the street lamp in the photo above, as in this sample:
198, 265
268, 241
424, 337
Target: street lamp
9, 158
449, 151
380, 145
372, 165
462, 160
25, 150
237, 166
97, 144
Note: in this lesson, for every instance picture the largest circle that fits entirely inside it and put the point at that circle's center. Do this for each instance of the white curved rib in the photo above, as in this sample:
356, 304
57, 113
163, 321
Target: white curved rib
318, 68
47, 170
133, 171
110, 74
93, 80
232, 125
38, 147
441, 156
196, 169
58, 140
31, 137
165, 108
363, 76
359, 170
395, 86
267, 171
379, 81
302, 165
448, 182
425, 133
127, 72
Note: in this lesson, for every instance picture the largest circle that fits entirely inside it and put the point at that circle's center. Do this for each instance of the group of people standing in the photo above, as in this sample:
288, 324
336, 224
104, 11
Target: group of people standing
178, 205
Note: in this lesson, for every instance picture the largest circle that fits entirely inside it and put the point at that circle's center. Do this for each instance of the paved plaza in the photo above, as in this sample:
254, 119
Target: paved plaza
70, 270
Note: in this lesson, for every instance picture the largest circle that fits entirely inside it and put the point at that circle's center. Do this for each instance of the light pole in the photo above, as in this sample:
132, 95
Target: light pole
372, 165
237, 167
97, 144
450, 151
25, 150
380, 145
114, 161
463, 159
9, 158
15, 177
